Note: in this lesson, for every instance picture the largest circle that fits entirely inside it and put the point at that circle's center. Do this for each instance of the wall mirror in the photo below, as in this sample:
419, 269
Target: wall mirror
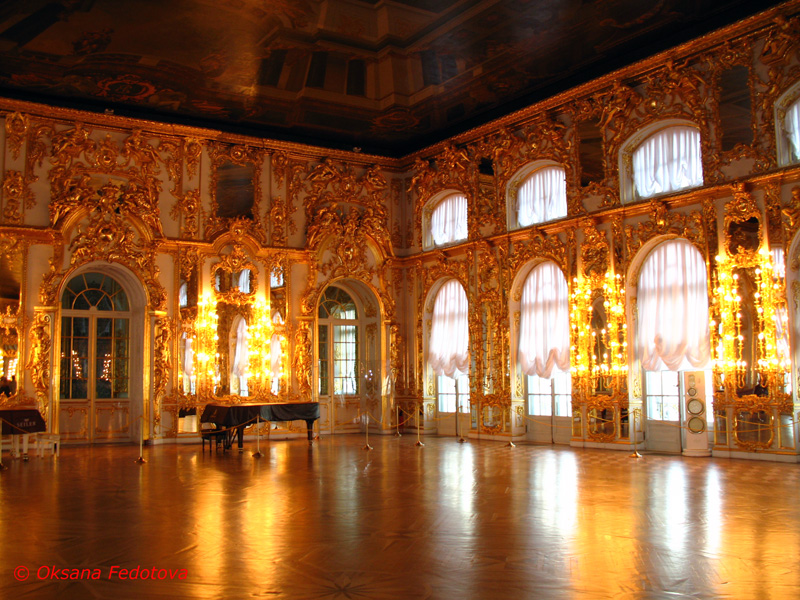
751, 351
10, 322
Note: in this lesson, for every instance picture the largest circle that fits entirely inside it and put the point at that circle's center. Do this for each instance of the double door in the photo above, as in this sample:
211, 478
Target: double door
95, 376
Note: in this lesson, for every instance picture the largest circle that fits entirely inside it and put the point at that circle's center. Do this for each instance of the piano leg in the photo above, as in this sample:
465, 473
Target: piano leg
240, 437
310, 426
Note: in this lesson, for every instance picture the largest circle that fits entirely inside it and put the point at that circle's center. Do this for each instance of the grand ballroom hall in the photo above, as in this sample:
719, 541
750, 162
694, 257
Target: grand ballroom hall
378, 299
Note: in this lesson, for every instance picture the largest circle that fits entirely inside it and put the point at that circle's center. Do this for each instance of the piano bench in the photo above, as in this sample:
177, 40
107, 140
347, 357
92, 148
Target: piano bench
217, 436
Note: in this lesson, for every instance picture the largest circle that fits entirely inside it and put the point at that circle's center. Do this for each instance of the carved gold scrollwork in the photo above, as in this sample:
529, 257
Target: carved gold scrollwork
16, 128
162, 366
39, 360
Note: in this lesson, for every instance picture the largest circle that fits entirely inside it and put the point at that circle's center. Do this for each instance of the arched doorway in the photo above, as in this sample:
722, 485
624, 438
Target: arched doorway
101, 350
348, 365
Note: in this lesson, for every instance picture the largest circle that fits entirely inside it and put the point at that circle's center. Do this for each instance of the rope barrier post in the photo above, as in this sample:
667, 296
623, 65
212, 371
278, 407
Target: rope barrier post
397, 421
367, 447
461, 439
635, 453
257, 453
511, 443
141, 460
419, 442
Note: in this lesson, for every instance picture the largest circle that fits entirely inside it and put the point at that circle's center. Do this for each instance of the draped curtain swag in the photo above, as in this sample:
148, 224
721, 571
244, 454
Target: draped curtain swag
449, 346
449, 220
544, 322
542, 197
673, 330
667, 161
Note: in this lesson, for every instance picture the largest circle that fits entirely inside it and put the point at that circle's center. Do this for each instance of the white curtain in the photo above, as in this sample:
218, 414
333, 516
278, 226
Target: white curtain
667, 161
544, 322
188, 356
542, 197
449, 220
673, 330
792, 125
183, 295
449, 345
239, 367
244, 281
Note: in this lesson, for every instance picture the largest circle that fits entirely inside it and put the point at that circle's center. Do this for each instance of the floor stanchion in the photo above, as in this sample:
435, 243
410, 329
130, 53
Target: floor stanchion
419, 441
257, 453
367, 446
141, 460
635, 453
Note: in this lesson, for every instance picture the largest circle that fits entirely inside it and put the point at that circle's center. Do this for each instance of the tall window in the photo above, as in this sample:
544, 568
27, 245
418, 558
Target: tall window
449, 220
542, 197
338, 343
668, 161
543, 352
448, 353
94, 345
673, 328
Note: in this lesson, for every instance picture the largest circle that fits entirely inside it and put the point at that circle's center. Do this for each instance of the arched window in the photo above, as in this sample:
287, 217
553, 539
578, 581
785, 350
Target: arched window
667, 161
449, 220
673, 327
544, 343
338, 343
542, 196
448, 353
95, 339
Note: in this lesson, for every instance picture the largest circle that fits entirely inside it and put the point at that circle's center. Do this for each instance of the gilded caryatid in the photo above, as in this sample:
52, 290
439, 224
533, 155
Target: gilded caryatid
302, 360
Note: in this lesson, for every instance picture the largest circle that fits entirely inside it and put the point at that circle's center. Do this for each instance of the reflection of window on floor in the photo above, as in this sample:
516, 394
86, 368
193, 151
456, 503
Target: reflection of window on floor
447, 393
544, 394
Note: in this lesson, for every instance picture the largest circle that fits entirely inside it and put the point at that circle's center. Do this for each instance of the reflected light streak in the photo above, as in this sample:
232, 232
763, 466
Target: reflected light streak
713, 510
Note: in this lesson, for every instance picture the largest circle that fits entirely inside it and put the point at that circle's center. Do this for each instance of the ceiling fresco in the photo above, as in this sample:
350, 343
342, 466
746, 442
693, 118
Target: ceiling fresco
386, 76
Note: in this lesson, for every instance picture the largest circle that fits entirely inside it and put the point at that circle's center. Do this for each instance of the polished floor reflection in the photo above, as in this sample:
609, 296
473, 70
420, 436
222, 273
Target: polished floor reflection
468, 521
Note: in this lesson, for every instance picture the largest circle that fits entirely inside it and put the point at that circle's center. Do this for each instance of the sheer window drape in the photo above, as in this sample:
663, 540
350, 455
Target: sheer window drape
244, 281
544, 322
791, 124
673, 330
449, 346
449, 220
667, 161
542, 197
240, 350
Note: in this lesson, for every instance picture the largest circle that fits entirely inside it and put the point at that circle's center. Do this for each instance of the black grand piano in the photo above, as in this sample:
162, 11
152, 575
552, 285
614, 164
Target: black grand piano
235, 417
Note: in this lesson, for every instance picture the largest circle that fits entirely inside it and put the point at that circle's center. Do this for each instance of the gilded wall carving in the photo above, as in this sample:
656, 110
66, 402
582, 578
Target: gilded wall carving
40, 359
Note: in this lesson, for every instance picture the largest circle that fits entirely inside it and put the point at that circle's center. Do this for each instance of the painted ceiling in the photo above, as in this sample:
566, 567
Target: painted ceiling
386, 76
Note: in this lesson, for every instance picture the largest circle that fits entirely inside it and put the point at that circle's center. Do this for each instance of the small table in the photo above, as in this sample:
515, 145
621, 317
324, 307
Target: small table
21, 421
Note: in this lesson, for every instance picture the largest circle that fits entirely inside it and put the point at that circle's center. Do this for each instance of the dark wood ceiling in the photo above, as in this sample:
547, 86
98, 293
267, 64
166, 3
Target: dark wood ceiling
387, 76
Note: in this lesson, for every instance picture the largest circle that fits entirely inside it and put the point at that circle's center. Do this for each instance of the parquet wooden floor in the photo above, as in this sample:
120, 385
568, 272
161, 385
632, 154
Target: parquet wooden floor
461, 521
